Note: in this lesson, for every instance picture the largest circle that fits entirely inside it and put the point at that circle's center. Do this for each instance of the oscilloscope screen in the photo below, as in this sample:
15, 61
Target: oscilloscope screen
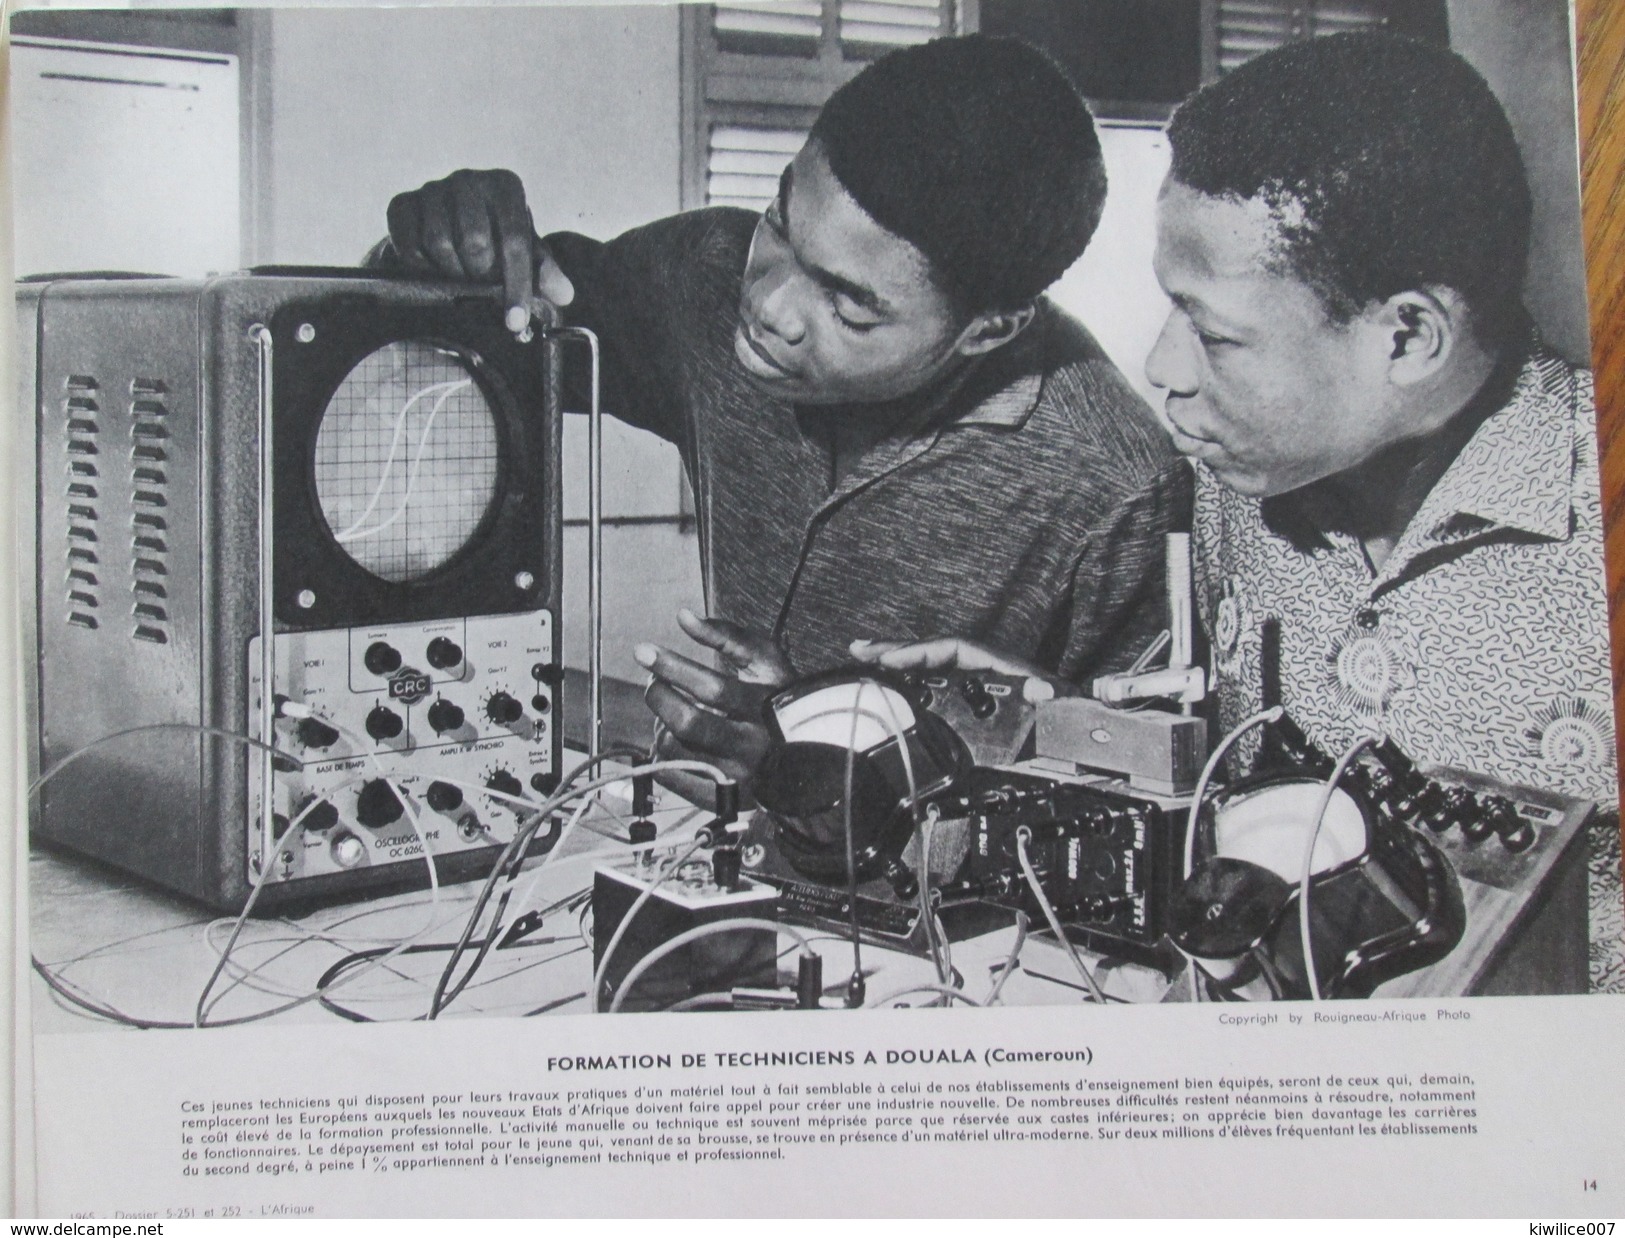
406, 460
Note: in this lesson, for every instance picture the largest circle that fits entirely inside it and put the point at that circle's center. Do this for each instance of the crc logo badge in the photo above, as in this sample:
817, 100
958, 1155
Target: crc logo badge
408, 685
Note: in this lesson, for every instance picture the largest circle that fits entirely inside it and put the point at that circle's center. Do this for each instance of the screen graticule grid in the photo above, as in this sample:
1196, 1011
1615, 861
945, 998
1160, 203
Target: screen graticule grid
406, 460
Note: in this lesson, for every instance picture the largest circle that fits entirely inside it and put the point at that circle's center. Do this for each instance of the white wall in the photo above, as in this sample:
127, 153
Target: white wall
1522, 49
584, 104
581, 102
1111, 289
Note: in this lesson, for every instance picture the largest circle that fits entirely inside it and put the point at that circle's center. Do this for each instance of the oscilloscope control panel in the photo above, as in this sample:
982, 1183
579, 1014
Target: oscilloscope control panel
459, 716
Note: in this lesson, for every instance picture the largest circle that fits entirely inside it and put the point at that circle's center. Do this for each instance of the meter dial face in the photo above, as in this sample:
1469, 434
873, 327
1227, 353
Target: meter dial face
406, 460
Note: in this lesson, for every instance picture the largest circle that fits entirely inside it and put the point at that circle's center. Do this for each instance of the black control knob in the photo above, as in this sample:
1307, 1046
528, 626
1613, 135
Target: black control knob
444, 716
1519, 839
1460, 806
377, 805
314, 733
1479, 827
915, 690
384, 723
540, 703
503, 709
279, 825
544, 784
443, 797
981, 702
902, 880
1431, 801
324, 816
381, 658
443, 654
504, 781
1516, 834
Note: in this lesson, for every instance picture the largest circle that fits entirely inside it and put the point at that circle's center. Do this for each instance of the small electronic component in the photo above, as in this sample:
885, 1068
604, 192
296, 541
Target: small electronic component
685, 896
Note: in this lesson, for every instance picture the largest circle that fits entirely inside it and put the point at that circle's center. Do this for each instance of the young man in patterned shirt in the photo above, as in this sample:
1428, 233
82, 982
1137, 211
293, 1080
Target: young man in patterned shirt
1397, 505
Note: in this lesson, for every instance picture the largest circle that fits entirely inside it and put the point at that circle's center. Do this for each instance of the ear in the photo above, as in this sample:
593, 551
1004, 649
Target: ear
1422, 328
994, 329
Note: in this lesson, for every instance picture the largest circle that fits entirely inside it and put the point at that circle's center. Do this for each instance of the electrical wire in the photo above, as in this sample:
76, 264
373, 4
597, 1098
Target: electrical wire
698, 933
725, 1000
414, 819
856, 984
1023, 836
150, 728
563, 795
1272, 714
338, 969
504, 944
942, 990
507, 864
1010, 960
1327, 791
935, 939
68, 992
524, 896
296, 828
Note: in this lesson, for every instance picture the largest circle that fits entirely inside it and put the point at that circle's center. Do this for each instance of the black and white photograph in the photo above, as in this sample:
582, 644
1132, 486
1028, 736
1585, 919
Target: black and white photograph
788, 506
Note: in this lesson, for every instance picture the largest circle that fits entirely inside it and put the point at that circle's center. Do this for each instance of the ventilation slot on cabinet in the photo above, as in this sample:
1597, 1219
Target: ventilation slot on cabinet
80, 412
149, 494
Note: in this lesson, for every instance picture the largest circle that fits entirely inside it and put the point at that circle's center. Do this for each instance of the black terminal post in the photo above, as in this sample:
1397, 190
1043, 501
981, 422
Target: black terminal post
725, 867
809, 981
727, 803
642, 830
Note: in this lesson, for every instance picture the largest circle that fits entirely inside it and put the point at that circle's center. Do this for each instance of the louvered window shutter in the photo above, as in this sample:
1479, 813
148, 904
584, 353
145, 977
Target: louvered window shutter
1248, 27
756, 25
880, 25
744, 164
758, 72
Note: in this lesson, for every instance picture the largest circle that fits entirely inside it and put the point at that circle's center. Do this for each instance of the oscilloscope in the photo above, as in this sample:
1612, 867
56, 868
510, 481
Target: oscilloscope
367, 468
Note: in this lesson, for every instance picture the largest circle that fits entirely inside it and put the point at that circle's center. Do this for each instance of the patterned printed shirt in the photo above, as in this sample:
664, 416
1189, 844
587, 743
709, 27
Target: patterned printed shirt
1024, 508
1483, 640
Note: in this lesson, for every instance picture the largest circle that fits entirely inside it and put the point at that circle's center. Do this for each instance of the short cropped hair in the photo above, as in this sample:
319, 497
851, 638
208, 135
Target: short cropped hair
1387, 163
980, 153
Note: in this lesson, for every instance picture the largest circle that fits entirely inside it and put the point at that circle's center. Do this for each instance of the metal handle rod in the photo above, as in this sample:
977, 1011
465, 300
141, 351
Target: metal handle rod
261, 335
1179, 605
595, 542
